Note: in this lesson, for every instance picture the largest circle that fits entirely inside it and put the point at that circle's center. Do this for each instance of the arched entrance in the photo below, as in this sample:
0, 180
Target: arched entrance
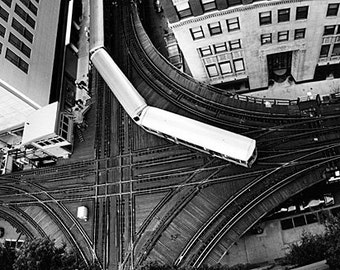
279, 66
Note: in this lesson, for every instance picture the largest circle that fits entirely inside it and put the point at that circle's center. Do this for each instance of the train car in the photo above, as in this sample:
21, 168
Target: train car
96, 25
132, 102
217, 142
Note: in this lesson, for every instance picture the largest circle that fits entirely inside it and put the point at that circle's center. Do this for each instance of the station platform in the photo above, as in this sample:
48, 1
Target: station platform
308, 90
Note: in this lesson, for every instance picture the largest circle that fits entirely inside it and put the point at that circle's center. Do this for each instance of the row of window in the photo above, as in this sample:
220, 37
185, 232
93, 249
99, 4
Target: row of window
21, 46
4, 14
184, 9
14, 40
283, 15
22, 30
298, 221
19, 28
7, 2
16, 60
224, 68
10, 55
215, 28
283, 36
2, 30
30, 6
24, 15
27, 3
331, 30
19, 11
64, 126
329, 50
50, 141
220, 47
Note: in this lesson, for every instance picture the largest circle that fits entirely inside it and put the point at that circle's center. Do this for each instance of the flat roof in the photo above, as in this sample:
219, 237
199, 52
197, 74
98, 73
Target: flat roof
40, 123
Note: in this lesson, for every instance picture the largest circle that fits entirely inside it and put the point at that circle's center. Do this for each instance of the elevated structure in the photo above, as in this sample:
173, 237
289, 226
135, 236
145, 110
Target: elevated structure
49, 130
257, 43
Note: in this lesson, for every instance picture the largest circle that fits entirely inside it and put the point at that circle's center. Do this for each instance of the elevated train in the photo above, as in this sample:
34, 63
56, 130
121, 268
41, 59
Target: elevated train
215, 141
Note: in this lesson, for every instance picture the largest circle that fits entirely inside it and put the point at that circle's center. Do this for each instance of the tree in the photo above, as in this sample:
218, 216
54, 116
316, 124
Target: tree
311, 249
42, 254
7, 257
332, 238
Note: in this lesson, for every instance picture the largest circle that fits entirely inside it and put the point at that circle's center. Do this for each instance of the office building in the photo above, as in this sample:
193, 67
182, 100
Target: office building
254, 44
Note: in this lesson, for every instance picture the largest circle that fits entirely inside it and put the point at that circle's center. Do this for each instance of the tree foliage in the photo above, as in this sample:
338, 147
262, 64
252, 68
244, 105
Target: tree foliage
153, 265
7, 257
311, 249
41, 254
332, 238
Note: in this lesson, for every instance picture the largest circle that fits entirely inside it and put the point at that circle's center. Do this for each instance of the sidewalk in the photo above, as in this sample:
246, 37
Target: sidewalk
286, 90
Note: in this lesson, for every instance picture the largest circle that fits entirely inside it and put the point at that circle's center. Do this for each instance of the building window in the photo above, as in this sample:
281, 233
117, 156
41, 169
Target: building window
212, 70
215, 28
19, 45
265, 17
0, 47
221, 47
2, 30
183, 10
234, 2
225, 68
233, 24
329, 30
332, 10
336, 49
205, 51
24, 15
30, 6
238, 65
7, 2
197, 33
301, 13
299, 33
4, 14
16, 60
324, 50
64, 126
287, 224
282, 36
266, 38
283, 15
208, 5
22, 30
235, 44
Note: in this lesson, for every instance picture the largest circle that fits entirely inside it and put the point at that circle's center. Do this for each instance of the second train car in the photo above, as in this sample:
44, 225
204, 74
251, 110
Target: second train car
217, 142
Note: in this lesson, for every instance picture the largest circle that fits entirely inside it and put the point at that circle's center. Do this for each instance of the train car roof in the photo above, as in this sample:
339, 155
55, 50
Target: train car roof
96, 25
198, 133
132, 102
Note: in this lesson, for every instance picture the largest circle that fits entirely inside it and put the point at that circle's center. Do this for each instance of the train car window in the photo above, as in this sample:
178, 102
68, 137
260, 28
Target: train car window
149, 129
190, 144
234, 160
215, 153
169, 137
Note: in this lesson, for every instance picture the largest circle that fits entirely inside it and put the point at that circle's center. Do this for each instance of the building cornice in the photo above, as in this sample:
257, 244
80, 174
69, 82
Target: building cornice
231, 10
